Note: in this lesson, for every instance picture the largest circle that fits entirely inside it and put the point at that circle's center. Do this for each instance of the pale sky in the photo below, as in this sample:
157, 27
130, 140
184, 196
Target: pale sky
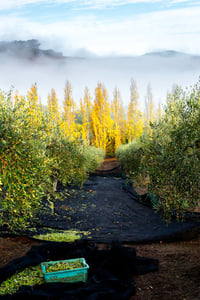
104, 27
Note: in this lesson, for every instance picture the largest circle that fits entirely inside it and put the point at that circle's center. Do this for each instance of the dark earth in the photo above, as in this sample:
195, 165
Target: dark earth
179, 262
178, 277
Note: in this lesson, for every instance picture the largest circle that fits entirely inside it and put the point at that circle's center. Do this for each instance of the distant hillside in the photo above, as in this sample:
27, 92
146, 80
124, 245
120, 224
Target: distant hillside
24, 63
29, 49
172, 54
167, 53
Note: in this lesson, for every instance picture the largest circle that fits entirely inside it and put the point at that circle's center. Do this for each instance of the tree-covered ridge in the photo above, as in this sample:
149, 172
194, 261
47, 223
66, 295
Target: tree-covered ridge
26, 49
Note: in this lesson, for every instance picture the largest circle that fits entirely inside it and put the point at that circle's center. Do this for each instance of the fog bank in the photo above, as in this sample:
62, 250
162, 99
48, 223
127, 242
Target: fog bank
51, 70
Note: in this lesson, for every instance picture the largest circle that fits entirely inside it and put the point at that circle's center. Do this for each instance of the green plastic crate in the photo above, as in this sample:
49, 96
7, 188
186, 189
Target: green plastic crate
73, 275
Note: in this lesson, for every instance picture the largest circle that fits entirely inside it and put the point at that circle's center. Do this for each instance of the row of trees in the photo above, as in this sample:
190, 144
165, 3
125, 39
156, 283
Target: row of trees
97, 121
40, 145
167, 158
35, 152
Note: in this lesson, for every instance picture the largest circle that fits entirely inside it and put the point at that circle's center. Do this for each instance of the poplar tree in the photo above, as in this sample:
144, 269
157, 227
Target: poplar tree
101, 122
34, 115
69, 125
118, 115
149, 107
85, 111
52, 106
135, 122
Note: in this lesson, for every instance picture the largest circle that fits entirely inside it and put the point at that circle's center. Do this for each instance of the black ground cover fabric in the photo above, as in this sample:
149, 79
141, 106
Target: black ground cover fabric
110, 274
109, 209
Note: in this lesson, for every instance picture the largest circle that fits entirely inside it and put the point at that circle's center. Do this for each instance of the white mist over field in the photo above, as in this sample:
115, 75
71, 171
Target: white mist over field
161, 70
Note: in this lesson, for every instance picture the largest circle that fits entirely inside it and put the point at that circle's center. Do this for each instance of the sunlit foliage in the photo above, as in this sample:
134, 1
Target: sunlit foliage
101, 121
68, 116
34, 152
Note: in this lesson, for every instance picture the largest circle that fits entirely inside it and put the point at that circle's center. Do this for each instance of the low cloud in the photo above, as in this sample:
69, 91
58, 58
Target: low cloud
161, 70
173, 29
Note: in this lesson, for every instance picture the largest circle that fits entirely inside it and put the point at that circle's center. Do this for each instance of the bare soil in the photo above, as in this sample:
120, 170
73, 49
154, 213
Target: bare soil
11, 248
178, 277
179, 274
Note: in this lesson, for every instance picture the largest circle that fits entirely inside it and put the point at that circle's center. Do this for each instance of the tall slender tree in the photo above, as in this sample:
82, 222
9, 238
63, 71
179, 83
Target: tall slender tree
118, 116
85, 110
149, 106
34, 116
135, 122
52, 106
101, 121
69, 125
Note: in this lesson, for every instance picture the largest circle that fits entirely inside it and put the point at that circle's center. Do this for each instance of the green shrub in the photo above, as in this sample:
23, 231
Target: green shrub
71, 161
23, 169
130, 156
67, 161
173, 153
93, 157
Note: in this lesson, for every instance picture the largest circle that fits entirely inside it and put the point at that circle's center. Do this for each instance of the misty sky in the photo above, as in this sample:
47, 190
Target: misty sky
104, 27
109, 34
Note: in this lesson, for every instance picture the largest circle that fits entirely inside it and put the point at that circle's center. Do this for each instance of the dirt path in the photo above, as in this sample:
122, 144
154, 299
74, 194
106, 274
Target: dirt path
179, 274
11, 248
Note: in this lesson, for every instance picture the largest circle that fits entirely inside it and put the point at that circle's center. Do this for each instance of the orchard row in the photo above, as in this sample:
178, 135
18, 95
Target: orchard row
166, 159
